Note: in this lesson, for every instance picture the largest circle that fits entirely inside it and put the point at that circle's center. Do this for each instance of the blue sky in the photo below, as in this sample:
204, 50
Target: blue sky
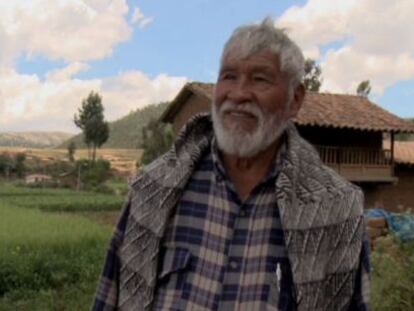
137, 53
176, 42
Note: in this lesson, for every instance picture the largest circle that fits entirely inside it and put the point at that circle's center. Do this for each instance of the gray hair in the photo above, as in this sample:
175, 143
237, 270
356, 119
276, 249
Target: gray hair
251, 39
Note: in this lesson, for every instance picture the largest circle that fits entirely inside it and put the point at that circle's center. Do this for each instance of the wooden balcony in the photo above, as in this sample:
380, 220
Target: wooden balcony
359, 164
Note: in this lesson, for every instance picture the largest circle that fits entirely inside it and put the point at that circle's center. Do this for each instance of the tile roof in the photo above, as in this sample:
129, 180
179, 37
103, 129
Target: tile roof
404, 152
349, 111
319, 109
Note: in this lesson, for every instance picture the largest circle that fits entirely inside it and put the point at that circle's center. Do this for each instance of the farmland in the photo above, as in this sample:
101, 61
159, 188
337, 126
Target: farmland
53, 241
122, 160
52, 245
58, 200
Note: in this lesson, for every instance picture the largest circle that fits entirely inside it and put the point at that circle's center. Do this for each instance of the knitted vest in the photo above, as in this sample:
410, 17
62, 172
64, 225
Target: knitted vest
321, 215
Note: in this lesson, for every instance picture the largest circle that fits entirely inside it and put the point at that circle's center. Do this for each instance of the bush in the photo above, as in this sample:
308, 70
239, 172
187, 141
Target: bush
157, 138
93, 174
54, 169
6, 163
393, 276
104, 189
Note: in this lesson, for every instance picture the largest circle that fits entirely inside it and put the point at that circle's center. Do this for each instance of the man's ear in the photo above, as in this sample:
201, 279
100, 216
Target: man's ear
297, 100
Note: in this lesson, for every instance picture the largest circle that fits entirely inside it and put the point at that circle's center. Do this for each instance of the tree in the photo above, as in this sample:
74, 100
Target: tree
71, 151
6, 164
20, 167
312, 79
90, 120
364, 88
157, 138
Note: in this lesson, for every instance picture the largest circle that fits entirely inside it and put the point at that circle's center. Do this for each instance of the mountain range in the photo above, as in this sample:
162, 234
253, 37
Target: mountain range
33, 139
125, 133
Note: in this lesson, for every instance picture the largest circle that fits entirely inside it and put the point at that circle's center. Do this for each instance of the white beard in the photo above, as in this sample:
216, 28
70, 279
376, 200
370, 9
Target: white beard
243, 143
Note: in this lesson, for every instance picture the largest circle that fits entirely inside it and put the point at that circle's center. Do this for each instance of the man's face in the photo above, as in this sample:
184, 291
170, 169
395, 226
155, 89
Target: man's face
251, 103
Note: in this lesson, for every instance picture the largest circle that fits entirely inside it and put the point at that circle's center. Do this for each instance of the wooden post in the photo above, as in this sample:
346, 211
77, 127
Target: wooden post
392, 155
78, 181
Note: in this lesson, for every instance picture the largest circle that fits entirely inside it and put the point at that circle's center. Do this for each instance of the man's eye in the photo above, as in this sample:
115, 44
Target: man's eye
260, 79
228, 76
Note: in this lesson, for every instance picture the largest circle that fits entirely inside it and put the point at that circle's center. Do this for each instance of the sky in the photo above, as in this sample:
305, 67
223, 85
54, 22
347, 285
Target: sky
53, 53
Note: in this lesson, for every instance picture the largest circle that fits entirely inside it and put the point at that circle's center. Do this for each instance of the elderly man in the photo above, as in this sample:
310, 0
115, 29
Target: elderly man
241, 214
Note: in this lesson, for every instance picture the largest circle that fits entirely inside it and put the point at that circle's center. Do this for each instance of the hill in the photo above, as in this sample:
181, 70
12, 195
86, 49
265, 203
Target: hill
33, 139
125, 133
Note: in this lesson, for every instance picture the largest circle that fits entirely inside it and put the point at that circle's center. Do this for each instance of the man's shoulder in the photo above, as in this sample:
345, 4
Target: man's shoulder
334, 182
318, 185
153, 171
338, 191
314, 173
330, 179
187, 149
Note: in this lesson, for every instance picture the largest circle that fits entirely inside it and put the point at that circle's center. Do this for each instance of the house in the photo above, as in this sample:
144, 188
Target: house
399, 196
37, 179
347, 130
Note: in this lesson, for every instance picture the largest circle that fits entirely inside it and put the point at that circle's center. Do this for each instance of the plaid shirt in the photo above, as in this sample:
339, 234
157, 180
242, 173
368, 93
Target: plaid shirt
223, 254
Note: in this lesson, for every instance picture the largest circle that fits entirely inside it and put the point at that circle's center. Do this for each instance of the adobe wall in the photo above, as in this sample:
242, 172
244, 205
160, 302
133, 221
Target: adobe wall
193, 105
395, 198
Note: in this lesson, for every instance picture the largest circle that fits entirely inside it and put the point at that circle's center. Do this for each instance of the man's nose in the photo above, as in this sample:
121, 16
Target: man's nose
240, 92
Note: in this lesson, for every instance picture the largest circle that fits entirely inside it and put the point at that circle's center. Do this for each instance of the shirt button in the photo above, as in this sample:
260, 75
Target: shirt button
233, 265
243, 213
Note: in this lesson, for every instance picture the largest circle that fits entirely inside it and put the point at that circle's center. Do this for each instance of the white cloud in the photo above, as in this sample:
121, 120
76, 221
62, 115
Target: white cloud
77, 30
133, 89
139, 18
345, 68
31, 104
378, 40
28, 103
67, 72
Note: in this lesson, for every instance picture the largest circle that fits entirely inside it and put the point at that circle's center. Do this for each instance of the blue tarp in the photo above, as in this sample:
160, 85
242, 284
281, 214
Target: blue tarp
401, 225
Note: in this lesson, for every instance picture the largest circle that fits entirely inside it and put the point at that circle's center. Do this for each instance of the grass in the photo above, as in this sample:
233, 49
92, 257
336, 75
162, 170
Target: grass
45, 257
59, 199
51, 260
119, 186
393, 276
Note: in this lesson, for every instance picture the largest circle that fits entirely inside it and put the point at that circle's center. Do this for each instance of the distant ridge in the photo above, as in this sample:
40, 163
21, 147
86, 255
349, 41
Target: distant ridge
33, 139
125, 133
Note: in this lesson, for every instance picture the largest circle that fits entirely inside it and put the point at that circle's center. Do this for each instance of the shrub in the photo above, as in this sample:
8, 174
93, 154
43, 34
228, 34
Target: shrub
93, 174
104, 189
393, 276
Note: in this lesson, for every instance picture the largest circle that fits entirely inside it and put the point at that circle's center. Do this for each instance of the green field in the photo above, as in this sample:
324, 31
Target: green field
55, 200
53, 242
49, 259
